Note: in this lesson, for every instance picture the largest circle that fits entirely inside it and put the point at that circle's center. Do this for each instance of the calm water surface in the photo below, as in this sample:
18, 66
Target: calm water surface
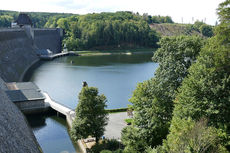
116, 76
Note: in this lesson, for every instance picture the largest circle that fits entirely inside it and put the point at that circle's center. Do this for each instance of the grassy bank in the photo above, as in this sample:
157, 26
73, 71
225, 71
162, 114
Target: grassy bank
113, 52
116, 110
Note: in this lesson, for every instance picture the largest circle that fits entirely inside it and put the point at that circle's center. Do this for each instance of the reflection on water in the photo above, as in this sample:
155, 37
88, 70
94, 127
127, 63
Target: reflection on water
116, 76
52, 134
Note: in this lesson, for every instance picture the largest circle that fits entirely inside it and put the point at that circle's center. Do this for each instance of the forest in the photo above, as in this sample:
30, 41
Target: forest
97, 30
184, 108
119, 30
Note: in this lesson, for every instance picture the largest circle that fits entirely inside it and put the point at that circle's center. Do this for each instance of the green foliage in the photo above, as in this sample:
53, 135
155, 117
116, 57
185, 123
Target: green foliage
133, 140
5, 20
107, 29
200, 27
175, 56
153, 99
116, 110
91, 117
157, 19
39, 19
188, 136
205, 93
110, 146
206, 30
129, 121
223, 30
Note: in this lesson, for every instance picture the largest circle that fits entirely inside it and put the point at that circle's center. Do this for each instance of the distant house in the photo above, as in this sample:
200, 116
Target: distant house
22, 21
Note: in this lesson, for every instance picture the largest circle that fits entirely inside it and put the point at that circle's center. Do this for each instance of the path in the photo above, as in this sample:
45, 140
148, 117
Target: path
115, 125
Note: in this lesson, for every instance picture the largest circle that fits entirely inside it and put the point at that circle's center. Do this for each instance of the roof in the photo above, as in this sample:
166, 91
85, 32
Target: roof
22, 86
23, 19
24, 95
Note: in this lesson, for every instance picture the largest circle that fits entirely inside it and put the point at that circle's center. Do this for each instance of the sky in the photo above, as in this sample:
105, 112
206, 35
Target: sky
181, 11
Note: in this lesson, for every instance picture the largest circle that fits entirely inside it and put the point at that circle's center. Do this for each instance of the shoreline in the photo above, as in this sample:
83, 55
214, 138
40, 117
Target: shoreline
115, 52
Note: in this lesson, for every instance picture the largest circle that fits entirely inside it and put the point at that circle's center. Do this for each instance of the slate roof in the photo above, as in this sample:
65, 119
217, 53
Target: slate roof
24, 95
23, 19
22, 86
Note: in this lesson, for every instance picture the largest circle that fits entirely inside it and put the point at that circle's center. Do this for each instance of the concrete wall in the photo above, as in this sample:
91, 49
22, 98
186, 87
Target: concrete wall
31, 106
15, 134
48, 39
17, 53
17, 50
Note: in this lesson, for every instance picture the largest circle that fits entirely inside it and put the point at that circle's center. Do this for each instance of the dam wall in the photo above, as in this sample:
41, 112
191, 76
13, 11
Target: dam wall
17, 54
52, 36
18, 49
15, 134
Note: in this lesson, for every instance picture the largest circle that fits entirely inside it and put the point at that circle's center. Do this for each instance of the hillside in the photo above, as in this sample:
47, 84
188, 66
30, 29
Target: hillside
174, 29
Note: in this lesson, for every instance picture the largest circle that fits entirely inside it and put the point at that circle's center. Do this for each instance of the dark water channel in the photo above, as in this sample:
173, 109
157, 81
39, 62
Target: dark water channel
116, 76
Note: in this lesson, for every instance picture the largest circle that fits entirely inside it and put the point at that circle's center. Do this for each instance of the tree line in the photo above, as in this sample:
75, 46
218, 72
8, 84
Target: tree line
97, 30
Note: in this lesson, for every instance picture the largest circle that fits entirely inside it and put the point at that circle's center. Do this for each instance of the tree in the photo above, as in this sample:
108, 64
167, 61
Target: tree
205, 93
206, 30
190, 136
153, 99
91, 117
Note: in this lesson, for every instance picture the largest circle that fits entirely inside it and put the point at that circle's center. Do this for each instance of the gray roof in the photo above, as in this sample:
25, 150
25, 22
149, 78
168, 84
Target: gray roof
24, 95
22, 86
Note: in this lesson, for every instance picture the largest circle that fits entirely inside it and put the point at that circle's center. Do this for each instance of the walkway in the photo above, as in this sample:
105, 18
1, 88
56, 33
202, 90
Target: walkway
115, 125
52, 56
60, 108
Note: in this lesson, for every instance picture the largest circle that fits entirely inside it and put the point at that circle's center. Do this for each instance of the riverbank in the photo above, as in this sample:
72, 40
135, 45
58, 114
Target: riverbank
116, 52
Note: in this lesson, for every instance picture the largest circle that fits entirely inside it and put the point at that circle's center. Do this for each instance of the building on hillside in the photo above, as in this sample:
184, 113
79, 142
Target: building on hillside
23, 20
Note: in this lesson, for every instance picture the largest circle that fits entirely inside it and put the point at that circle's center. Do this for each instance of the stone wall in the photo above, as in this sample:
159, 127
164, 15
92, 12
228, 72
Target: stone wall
17, 53
48, 39
18, 49
15, 134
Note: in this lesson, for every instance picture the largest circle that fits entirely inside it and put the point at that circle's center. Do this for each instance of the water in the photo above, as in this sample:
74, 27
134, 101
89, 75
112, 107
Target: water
116, 76
52, 134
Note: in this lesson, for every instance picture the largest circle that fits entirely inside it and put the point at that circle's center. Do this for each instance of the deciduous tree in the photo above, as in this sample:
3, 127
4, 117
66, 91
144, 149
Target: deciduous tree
91, 117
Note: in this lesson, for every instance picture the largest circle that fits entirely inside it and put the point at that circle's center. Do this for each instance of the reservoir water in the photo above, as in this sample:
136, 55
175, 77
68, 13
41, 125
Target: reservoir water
116, 76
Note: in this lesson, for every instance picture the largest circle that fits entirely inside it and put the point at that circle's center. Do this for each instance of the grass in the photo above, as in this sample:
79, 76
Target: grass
116, 110
129, 121
115, 51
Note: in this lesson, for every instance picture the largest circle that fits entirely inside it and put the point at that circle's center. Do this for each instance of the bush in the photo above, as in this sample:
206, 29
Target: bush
129, 121
189, 136
107, 145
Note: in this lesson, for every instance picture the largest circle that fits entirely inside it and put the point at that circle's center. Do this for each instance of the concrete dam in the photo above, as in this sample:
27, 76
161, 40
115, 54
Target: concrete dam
17, 54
